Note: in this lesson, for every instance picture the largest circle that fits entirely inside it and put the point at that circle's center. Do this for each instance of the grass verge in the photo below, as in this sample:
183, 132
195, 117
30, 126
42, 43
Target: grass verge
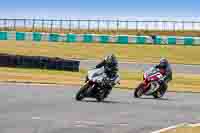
132, 53
129, 80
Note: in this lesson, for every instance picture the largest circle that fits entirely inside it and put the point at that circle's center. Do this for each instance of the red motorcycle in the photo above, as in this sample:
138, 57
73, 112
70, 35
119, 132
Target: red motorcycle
150, 85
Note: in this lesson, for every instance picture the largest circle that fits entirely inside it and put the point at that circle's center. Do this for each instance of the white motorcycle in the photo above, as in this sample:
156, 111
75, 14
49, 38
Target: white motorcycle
97, 85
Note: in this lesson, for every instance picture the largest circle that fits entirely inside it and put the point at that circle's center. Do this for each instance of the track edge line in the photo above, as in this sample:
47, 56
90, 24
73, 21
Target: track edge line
169, 128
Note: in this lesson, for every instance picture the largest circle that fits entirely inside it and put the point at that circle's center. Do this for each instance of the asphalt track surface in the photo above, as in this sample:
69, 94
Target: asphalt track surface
53, 109
177, 68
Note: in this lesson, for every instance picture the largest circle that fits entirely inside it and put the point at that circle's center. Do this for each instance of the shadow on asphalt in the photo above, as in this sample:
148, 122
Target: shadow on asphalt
107, 102
123, 102
151, 98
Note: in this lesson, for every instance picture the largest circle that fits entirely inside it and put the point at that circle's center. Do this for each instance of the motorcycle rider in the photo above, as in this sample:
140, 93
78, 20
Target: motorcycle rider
110, 65
111, 69
166, 70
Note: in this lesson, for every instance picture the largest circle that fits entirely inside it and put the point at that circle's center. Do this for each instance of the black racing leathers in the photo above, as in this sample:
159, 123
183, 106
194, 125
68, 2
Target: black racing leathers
167, 73
111, 70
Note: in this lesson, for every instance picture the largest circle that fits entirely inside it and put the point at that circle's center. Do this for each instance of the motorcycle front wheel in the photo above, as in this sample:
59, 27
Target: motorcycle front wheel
81, 93
138, 91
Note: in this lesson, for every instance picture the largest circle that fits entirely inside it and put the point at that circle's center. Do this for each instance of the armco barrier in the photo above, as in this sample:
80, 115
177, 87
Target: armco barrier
38, 62
93, 38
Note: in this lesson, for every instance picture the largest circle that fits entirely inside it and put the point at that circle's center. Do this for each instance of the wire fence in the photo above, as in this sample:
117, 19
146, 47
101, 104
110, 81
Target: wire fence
63, 26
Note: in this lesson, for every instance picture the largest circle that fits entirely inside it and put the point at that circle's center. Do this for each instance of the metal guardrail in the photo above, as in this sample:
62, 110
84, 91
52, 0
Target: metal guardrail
95, 25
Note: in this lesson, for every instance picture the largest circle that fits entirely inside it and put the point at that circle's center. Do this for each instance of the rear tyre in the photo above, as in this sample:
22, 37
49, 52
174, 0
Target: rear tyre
138, 91
161, 92
157, 95
108, 91
100, 97
81, 93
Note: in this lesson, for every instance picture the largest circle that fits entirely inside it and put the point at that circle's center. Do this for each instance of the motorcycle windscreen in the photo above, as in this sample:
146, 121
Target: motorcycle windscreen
151, 71
99, 78
96, 74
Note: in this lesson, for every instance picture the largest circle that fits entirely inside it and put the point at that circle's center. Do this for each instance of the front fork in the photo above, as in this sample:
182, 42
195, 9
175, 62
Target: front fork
146, 86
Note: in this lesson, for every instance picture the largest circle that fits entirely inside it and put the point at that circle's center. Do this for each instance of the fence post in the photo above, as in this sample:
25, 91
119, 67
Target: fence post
127, 25
25, 24
155, 25
61, 26
5, 27
33, 26
136, 25
43, 30
174, 26
198, 25
108, 24
88, 25
164, 26
51, 25
146, 26
98, 25
183, 25
193, 25
15, 24
70, 25
117, 25
79, 24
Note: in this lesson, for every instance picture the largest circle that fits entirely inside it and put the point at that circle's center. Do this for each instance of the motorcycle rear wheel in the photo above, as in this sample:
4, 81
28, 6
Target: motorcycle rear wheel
100, 97
161, 92
108, 91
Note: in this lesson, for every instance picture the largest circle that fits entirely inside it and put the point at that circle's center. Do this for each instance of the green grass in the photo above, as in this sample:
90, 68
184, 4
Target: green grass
131, 53
129, 80
38, 72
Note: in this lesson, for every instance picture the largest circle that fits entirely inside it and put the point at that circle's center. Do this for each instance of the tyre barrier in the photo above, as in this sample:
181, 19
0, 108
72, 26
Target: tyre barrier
99, 38
41, 62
